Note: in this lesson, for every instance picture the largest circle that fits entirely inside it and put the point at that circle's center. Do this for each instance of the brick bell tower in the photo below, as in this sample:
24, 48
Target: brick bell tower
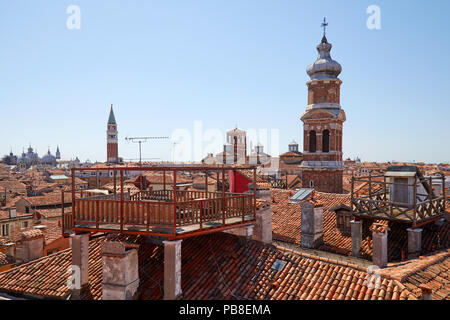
112, 146
322, 165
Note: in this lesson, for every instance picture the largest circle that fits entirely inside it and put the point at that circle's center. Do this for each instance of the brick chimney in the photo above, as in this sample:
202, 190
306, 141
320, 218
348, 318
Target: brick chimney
120, 271
30, 246
312, 223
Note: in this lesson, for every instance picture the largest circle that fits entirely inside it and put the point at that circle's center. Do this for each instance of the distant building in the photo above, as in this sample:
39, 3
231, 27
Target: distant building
258, 156
112, 140
290, 161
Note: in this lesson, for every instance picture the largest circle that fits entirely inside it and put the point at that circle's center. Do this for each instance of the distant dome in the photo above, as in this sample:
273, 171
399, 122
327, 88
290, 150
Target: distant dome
324, 67
48, 158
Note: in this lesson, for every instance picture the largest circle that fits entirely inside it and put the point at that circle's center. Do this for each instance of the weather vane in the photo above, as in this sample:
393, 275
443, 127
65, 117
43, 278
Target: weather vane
324, 25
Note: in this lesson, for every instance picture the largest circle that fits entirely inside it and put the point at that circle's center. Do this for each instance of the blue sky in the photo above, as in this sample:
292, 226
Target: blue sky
165, 64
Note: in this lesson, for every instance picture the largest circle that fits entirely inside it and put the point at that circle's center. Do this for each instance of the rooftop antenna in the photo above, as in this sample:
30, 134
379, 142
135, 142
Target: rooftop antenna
140, 140
324, 26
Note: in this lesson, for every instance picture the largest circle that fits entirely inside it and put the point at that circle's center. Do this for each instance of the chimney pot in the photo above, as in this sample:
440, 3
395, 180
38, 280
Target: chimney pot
426, 292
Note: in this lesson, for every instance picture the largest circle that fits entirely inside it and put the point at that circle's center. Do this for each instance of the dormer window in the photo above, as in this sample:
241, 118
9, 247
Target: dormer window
343, 218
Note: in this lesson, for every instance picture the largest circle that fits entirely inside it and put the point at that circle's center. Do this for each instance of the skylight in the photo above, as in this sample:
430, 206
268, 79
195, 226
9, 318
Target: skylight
301, 194
279, 265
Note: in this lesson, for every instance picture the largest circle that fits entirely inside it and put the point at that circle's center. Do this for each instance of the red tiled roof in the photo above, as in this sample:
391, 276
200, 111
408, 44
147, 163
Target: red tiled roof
215, 266
48, 199
286, 227
432, 271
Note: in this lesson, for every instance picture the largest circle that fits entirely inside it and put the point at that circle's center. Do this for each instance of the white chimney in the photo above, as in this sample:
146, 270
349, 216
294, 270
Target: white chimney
12, 213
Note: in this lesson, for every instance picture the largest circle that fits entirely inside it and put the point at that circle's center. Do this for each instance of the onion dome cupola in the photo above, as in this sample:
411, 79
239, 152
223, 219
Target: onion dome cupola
324, 67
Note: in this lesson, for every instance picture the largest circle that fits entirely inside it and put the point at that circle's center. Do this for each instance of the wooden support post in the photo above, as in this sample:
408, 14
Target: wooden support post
115, 181
121, 200
62, 212
351, 194
415, 202
164, 181
254, 193
174, 202
431, 188
223, 197
206, 183
96, 213
370, 194
443, 189
201, 215
73, 196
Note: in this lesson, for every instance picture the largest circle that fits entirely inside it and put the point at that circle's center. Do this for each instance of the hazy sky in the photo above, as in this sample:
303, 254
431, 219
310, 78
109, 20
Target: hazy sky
166, 64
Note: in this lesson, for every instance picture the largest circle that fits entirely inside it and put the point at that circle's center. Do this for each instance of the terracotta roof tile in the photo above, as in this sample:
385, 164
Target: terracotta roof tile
209, 272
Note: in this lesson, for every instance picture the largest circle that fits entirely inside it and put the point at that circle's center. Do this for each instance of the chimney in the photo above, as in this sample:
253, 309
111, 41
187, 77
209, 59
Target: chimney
12, 213
30, 246
172, 269
41, 227
80, 260
120, 271
379, 239
263, 224
414, 242
426, 292
356, 227
312, 223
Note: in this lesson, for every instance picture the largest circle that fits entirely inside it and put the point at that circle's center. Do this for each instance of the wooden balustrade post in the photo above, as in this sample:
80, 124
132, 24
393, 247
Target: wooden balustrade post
206, 183
121, 200
370, 194
73, 196
96, 213
164, 181
254, 192
443, 190
351, 194
64, 221
174, 202
201, 214
223, 197
415, 201
115, 181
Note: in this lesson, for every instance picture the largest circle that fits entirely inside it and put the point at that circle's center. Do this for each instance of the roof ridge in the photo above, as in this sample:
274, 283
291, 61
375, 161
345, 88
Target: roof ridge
437, 259
323, 259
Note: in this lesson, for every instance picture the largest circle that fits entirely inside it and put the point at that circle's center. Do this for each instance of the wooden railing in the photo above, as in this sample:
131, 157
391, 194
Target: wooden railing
399, 211
145, 214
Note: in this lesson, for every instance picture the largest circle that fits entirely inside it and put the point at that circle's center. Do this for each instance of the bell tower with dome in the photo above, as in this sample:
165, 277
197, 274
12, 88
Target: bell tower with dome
322, 166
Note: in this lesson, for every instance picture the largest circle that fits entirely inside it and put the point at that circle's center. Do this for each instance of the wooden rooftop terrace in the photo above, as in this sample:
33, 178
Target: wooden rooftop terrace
169, 213
405, 197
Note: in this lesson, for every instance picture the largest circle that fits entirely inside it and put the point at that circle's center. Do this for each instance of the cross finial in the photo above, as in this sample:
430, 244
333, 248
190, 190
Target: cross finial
324, 25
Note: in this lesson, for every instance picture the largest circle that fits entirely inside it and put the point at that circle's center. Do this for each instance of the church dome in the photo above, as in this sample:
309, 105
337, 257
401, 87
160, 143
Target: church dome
48, 158
324, 67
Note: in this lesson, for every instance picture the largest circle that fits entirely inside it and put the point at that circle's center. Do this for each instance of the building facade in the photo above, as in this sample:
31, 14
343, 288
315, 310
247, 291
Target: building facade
322, 166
